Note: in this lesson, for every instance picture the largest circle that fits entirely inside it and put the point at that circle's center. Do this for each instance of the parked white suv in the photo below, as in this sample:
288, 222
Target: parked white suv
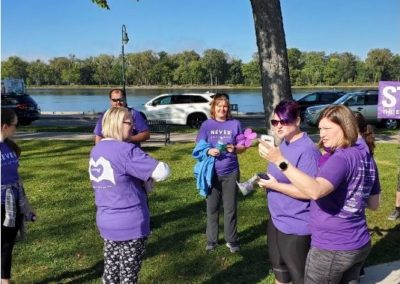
186, 109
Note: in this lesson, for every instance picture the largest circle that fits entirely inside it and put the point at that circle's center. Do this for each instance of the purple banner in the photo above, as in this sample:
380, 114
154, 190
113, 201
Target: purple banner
389, 99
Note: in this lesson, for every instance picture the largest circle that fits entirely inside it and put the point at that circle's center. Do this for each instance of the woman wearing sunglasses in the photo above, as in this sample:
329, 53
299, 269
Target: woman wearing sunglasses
220, 133
288, 231
346, 183
119, 172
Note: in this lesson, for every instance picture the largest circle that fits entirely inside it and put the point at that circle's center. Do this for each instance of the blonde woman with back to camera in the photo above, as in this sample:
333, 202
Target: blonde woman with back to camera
119, 172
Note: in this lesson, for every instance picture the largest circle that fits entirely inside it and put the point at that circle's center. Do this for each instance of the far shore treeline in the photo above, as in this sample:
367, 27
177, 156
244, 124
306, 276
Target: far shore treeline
214, 67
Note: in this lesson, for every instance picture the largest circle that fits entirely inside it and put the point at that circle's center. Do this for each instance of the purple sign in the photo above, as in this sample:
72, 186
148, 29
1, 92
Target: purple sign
389, 99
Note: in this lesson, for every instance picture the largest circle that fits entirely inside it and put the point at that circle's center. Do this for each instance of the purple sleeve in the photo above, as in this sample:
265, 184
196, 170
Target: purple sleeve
376, 188
140, 122
139, 164
98, 129
308, 162
334, 170
202, 133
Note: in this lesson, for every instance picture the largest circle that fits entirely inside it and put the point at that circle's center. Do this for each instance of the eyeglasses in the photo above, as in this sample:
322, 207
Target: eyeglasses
120, 100
283, 122
128, 122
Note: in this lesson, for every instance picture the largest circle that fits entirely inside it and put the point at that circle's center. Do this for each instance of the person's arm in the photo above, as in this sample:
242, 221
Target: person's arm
284, 188
97, 139
374, 202
238, 149
140, 137
313, 188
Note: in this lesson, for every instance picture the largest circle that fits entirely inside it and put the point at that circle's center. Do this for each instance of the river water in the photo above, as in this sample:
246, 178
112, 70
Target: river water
96, 100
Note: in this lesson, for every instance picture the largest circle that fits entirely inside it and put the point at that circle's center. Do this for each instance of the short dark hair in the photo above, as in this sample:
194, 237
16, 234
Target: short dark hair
288, 110
7, 117
117, 90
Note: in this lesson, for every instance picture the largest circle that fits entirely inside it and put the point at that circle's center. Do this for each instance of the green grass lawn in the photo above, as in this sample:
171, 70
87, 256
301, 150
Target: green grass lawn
63, 245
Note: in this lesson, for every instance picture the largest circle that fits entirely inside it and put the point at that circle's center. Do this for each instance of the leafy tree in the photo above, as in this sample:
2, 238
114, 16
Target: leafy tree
394, 69
378, 61
215, 63
14, 67
104, 69
295, 63
39, 73
251, 72
235, 72
314, 63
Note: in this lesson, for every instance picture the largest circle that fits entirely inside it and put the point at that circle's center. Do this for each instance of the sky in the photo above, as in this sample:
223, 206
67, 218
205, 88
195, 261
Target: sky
43, 29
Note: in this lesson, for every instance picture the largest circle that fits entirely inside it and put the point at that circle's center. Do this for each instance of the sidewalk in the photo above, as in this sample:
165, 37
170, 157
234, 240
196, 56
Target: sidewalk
386, 273
175, 137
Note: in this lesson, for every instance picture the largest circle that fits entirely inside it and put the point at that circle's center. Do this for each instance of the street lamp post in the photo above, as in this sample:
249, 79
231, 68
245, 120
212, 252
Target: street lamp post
124, 40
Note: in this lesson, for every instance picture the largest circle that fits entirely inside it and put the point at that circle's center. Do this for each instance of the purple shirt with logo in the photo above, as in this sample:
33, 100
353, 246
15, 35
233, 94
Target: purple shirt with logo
213, 131
117, 171
9, 167
137, 118
290, 215
338, 219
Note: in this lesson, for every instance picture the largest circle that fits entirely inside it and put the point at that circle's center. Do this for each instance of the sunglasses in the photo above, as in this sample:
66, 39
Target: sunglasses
120, 100
283, 122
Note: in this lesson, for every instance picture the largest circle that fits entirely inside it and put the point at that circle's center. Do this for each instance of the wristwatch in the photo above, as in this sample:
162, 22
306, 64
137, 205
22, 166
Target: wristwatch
283, 165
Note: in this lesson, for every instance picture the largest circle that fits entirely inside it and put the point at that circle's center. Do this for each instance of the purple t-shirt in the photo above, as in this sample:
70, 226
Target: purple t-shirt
290, 215
338, 219
117, 171
137, 118
9, 167
213, 131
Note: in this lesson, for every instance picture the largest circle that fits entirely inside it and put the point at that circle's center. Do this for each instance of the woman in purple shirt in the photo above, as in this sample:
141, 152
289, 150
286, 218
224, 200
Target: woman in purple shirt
14, 203
220, 132
121, 173
288, 228
345, 185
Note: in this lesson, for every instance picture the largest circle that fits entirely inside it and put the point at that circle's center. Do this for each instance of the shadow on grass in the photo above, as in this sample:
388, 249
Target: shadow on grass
77, 276
387, 248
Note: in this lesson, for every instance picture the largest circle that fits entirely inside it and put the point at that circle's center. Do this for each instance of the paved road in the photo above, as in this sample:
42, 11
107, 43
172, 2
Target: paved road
252, 121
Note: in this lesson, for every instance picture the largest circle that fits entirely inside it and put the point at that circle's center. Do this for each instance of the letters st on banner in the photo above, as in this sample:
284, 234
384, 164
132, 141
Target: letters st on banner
389, 99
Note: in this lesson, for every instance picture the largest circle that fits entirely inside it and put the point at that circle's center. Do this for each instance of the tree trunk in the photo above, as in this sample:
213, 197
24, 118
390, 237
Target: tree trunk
272, 51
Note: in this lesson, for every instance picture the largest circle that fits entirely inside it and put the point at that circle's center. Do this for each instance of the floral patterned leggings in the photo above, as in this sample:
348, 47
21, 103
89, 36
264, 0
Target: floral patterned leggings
122, 260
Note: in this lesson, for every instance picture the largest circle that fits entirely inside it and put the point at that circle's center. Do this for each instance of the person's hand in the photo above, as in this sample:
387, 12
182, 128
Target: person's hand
266, 183
269, 153
213, 152
230, 148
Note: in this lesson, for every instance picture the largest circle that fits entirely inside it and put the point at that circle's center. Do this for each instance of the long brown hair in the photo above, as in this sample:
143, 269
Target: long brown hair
7, 117
366, 131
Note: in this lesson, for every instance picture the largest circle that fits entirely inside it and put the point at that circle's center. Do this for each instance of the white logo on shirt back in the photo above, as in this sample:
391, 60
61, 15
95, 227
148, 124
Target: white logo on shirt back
101, 170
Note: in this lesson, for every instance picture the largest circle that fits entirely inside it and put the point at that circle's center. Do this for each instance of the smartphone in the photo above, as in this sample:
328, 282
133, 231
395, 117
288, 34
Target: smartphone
263, 176
269, 139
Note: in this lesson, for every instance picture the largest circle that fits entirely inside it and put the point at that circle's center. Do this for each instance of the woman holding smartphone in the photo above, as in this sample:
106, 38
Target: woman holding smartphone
345, 185
220, 132
288, 231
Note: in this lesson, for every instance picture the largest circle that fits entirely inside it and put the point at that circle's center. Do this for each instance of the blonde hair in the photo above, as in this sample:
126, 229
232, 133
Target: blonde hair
344, 117
218, 98
112, 122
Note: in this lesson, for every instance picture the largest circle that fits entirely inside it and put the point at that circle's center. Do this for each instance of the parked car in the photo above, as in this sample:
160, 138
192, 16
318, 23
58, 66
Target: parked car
185, 109
318, 98
13, 96
364, 102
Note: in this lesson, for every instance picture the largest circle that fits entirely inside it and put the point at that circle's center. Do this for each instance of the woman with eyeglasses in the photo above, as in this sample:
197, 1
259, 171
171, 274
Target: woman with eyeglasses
120, 173
220, 132
14, 203
346, 183
288, 230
